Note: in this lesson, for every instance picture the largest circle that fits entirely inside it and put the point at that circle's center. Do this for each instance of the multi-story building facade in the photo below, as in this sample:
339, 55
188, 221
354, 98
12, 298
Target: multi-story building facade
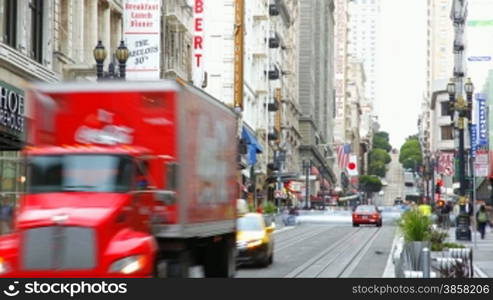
270, 106
177, 43
363, 39
436, 133
440, 35
316, 91
359, 133
441, 140
342, 118
27, 53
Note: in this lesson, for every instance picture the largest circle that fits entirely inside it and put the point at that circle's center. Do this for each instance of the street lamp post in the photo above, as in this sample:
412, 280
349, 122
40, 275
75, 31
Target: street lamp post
307, 166
121, 55
100, 56
464, 110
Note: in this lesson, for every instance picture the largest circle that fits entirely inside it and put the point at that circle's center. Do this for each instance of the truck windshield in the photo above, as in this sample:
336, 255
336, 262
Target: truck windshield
80, 173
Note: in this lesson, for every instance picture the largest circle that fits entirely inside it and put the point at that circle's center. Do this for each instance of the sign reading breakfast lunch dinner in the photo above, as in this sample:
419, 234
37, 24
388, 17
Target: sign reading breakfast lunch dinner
142, 31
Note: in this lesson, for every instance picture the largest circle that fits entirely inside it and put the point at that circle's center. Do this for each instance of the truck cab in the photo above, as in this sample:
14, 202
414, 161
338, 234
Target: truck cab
87, 212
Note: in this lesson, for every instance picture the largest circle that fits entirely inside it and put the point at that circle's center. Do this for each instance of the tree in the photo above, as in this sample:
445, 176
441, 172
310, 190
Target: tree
370, 184
381, 141
377, 168
380, 155
411, 156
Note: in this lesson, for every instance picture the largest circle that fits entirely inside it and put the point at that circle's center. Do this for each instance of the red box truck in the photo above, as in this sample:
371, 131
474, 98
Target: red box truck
125, 179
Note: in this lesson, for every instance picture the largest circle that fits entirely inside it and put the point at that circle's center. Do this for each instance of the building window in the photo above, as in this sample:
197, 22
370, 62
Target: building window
63, 19
445, 109
10, 36
447, 133
37, 30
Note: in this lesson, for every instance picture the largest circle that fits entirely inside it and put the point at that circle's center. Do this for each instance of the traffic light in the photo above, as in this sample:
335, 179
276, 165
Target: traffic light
438, 186
440, 203
438, 189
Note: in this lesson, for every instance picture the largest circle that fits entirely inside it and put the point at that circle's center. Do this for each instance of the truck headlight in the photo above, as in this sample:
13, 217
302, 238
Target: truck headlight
128, 265
4, 266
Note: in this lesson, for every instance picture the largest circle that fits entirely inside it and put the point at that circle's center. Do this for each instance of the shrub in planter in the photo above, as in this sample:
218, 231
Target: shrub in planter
269, 208
415, 226
437, 238
416, 230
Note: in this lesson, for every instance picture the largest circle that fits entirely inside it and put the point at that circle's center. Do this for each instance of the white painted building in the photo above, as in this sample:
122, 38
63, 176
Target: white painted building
441, 129
213, 70
341, 122
363, 39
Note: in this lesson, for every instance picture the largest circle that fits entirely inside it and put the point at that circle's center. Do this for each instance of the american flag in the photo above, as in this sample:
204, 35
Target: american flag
343, 152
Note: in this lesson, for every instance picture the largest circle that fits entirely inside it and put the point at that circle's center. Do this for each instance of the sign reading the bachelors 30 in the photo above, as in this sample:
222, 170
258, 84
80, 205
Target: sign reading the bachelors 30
142, 32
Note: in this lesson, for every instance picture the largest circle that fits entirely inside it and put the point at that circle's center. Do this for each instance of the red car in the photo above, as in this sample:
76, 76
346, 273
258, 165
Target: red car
367, 214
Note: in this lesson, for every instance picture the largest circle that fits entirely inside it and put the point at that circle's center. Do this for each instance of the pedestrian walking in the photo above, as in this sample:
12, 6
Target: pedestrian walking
482, 219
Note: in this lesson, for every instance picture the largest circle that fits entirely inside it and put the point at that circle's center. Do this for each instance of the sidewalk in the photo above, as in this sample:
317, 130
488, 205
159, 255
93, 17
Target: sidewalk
482, 254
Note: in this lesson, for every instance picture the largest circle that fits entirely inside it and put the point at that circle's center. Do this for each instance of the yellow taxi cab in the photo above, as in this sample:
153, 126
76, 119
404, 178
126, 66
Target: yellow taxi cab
254, 240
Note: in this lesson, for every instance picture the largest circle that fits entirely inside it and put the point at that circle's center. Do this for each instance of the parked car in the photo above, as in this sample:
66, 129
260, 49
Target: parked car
254, 240
398, 201
367, 214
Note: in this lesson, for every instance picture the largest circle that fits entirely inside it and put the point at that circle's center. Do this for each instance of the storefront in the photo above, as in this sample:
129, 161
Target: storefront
12, 138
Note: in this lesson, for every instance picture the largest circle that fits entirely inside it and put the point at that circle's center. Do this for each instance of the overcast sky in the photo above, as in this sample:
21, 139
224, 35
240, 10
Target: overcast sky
401, 67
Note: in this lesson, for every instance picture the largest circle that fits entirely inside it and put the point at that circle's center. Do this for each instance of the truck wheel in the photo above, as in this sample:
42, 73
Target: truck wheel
160, 269
178, 267
221, 259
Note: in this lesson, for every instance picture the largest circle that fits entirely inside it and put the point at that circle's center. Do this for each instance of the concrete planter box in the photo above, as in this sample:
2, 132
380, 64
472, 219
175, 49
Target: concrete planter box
411, 258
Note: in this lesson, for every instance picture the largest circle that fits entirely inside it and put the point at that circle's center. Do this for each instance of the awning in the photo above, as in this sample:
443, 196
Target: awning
348, 198
253, 147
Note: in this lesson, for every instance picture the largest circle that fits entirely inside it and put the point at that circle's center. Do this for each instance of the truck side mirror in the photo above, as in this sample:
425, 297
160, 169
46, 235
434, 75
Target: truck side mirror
165, 197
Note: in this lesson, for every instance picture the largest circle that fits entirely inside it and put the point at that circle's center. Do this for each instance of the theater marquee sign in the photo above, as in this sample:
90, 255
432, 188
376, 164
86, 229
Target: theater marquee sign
12, 113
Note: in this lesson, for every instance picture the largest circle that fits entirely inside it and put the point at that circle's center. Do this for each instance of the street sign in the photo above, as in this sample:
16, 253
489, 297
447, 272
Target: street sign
481, 164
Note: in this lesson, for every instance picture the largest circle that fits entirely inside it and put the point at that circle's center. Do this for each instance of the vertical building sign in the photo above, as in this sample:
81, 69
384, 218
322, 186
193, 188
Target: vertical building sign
474, 139
142, 34
482, 120
198, 42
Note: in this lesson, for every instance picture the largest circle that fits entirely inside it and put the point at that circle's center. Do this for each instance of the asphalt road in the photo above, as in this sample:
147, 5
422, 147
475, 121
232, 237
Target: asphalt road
395, 180
327, 251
